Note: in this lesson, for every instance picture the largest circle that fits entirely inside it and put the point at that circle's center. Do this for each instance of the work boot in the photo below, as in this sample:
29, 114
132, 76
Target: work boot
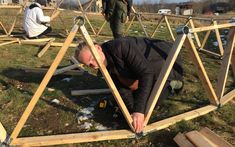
176, 86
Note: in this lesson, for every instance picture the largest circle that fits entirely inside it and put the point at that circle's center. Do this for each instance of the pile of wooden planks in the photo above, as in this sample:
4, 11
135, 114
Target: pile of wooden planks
204, 138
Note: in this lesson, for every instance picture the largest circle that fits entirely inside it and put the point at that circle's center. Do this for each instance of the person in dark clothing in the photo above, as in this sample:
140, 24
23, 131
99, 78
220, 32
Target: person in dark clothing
117, 12
134, 64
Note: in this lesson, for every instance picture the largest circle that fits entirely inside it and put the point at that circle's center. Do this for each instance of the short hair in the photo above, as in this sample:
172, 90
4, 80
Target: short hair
81, 46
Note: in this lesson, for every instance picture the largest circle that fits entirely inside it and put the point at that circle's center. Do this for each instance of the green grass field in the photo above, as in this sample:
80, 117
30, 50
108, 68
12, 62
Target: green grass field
47, 118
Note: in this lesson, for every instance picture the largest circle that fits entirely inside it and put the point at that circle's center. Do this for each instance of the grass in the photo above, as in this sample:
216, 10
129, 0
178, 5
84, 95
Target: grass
17, 89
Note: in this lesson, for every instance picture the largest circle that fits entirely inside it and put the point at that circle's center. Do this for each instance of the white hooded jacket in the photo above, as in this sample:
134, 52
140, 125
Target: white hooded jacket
33, 20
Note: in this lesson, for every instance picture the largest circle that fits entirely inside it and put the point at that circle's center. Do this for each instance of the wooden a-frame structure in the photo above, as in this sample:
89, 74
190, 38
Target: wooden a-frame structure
217, 98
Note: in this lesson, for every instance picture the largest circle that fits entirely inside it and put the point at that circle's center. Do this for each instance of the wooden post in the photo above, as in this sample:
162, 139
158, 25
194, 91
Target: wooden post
222, 77
165, 71
169, 28
107, 77
221, 49
158, 24
202, 72
44, 83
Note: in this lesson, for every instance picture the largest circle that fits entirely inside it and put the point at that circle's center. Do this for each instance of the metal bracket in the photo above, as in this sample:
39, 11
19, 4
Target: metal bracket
79, 20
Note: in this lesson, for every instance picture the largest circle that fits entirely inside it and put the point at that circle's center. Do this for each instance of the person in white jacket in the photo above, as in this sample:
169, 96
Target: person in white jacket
34, 21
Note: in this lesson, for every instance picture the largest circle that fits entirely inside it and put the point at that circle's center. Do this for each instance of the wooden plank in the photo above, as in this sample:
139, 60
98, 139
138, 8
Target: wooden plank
3, 133
205, 39
90, 91
195, 34
165, 71
221, 49
162, 124
207, 28
38, 40
233, 62
199, 140
10, 7
45, 48
182, 141
224, 68
44, 83
209, 52
228, 97
109, 135
74, 138
216, 139
9, 42
169, 28
158, 24
201, 72
54, 44
107, 77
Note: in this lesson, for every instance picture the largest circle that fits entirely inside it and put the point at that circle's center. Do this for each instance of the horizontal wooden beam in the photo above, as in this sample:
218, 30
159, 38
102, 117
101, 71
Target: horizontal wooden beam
207, 28
90, 91
210, 52
74, 138
109, 135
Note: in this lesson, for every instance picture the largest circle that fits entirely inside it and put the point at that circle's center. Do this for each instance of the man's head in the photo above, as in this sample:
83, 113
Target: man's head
84, 55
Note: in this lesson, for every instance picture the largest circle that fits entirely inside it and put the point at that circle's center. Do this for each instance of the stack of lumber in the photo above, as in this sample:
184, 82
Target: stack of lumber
204, 138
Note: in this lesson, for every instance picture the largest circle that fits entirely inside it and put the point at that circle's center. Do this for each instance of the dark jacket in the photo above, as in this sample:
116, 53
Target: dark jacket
141, 59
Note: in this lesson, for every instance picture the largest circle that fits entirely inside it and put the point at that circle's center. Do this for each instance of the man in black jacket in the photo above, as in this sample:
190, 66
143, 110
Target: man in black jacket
134, 64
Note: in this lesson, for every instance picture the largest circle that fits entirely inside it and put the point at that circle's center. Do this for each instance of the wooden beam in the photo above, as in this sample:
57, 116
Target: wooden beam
223, 73
44, 83
158, 24
214, 138
205, 39
220, 44
140, 21
3, 133
54, 44
10, 7
228, 97
195, 34
9, 42
4, 29
169, 28
101, 28
199, 140
109, 135
90, 91
129, 26
182, 141
74, 138
209, 52
14, 21
208, 28
165, 71
107, 77
201, 72
45, 48
162, 124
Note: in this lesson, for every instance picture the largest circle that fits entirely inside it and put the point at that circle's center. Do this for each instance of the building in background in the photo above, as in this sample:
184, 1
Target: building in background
184, 9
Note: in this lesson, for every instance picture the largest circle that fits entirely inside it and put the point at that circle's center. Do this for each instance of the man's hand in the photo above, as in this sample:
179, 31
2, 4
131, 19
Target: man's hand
138, 121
